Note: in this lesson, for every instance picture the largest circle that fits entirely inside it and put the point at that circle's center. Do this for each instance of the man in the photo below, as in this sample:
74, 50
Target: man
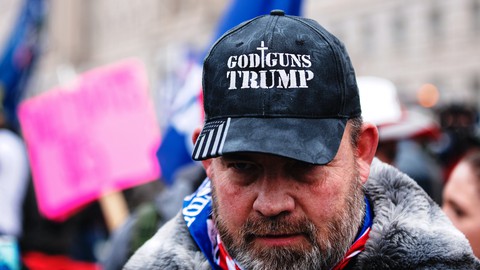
291, 183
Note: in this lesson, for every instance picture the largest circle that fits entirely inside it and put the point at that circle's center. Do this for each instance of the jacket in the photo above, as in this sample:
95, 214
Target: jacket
409, 231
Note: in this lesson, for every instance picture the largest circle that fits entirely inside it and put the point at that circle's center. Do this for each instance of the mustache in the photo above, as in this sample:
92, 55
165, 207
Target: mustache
277, 226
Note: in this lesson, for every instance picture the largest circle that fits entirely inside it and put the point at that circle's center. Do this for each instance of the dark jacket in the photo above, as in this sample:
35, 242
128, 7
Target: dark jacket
409, 232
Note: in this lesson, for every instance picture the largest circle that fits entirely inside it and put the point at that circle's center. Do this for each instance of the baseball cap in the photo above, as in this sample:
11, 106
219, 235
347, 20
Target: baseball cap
280, 85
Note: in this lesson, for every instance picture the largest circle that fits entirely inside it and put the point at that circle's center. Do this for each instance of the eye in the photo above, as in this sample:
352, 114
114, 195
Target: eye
239, 163
241, 166
302, 168
458, 212
241, 172
454, 210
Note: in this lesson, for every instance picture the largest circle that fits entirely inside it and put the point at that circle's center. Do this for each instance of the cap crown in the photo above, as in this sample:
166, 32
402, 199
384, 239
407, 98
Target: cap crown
279, 66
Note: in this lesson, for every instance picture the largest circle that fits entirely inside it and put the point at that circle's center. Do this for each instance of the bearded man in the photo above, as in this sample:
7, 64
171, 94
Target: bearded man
292, 182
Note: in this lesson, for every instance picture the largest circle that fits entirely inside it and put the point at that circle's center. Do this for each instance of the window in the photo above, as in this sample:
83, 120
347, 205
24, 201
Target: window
399, 29
367, 33
475, 16
436, 22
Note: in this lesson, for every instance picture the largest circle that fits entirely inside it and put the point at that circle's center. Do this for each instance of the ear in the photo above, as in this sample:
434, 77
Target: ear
205, 163
366, 148
195, 134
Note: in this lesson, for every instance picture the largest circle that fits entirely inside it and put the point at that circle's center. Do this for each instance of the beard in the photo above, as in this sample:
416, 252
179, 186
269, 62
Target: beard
325, 246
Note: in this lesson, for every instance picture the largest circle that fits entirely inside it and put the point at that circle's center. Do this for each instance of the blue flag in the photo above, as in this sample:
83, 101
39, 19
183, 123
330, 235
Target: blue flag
242, 10
19, 56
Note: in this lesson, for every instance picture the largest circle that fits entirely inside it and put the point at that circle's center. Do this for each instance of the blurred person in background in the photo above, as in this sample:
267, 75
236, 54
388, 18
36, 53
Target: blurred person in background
459, 125
404, 133
77, 242
461, 198
67, 244
380, 106
14, 176
414, 154
150, 215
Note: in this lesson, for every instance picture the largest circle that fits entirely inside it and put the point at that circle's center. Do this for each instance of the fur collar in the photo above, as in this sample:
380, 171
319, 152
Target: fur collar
409, 232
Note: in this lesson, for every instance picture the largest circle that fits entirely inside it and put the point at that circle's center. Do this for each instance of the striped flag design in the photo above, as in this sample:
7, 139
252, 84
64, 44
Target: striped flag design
211, 139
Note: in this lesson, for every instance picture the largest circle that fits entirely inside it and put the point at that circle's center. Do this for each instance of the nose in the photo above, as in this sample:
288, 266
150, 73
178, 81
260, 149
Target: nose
274, 198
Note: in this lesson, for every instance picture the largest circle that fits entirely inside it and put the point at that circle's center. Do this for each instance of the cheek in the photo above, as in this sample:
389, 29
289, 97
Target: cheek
449, 212
470, 227
234, 204
329, 198
475, 240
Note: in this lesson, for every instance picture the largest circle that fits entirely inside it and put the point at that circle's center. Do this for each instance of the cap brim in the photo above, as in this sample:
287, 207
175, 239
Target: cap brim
314, 141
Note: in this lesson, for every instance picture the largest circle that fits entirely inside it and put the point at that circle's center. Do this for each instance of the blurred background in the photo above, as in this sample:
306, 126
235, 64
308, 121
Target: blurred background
427, 48
427, 51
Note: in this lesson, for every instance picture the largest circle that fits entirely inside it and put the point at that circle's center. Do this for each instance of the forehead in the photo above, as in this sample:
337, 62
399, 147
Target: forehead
463, 184
463, 175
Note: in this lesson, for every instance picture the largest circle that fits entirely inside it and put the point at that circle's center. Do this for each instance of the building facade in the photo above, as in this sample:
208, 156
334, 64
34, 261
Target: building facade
412, 43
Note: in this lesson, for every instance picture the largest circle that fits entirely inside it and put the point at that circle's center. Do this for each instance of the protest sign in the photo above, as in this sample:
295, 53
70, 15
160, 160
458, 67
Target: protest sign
95, 136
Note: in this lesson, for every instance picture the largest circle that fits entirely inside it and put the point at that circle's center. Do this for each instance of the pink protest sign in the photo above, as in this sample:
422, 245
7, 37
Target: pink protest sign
97, 136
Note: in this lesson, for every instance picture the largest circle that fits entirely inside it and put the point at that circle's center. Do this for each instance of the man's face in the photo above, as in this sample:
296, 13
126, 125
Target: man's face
460, 202
278, 213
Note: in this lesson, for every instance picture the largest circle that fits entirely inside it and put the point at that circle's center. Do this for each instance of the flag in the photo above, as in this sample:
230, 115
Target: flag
187, 114
19, 57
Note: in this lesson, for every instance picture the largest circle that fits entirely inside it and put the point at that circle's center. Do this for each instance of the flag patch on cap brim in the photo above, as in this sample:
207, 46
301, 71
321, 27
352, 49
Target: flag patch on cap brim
211, 140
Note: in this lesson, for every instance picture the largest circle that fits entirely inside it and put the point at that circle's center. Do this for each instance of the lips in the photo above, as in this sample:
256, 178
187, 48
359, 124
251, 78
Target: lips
279, 231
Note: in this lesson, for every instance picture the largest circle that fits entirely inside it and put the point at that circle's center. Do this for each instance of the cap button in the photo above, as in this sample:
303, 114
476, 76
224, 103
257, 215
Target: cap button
277, 12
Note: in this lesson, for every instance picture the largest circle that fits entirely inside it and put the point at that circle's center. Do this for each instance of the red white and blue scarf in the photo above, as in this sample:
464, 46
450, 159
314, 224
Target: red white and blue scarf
197, 214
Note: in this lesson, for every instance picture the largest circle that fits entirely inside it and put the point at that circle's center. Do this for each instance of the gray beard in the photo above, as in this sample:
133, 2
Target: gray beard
324, 251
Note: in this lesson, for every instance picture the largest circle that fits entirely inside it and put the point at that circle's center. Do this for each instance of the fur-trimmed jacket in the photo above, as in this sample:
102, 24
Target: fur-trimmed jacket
409, 232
